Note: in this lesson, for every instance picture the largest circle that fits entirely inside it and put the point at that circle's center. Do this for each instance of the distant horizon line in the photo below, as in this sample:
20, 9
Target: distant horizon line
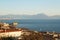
30, 14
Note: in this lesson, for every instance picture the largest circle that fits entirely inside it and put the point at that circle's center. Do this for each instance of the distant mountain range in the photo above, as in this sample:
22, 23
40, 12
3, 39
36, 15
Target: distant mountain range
38, 16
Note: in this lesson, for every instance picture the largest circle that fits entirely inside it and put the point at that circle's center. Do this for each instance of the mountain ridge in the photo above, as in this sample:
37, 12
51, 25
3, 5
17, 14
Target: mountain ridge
37, 16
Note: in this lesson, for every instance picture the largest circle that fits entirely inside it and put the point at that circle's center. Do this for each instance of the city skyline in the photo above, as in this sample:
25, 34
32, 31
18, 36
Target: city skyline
30, 7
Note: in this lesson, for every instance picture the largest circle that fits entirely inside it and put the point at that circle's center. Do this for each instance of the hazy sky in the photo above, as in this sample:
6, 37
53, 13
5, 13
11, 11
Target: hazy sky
31, 7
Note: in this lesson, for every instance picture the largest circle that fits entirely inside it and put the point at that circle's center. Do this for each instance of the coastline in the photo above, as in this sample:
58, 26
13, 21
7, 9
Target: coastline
9, 31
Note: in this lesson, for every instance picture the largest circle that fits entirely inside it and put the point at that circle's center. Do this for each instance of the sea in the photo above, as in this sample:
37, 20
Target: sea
51, 25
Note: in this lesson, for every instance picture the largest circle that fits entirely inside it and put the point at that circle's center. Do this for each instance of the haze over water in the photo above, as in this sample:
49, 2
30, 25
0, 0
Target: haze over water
32, 7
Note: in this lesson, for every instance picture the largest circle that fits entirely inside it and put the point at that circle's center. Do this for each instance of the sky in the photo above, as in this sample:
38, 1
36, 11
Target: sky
30, 7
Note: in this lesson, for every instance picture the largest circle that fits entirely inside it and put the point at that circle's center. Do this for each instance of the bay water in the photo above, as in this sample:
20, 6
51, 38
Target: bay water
37, 25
